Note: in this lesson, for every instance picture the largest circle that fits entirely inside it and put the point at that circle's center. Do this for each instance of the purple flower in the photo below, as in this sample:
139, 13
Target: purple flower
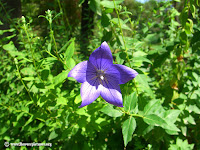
100, 77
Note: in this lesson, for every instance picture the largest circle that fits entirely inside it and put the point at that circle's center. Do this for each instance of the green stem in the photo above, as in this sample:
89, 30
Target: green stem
124, 40
57, 58
132, 25
122, 34
29, 41
32, 51
51, 54
134, 115
64, 16
22, 111
54, 41
56, 49
16, 63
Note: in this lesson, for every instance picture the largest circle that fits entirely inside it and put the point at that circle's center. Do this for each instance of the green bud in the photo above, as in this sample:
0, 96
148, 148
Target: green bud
23, 19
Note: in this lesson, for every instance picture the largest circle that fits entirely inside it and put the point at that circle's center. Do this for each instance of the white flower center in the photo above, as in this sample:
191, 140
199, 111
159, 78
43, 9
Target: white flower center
101, 77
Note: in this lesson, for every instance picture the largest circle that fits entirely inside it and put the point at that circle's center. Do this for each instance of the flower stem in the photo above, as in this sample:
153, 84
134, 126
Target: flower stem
16, 63
122, 34
30, 46
64, 15
54, 41
126, 51
128, 113
56, 49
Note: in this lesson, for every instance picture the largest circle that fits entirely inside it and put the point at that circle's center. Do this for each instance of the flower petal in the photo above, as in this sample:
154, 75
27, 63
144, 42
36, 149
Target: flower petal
91, 72
89, 93
79, 72
126, 73
112, 74
110, 92
102, 58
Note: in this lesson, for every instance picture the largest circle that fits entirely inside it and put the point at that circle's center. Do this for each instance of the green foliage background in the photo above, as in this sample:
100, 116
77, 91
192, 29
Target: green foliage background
160, 40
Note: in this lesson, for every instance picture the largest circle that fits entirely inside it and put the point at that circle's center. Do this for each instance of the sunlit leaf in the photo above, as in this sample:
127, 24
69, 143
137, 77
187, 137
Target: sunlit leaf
61, 101
60, 77
52, 135
130, 102
110, 111
70, 51
128, 128
110, 4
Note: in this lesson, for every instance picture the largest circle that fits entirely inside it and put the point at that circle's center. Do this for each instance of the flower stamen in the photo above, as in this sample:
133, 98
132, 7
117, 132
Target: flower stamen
101, 77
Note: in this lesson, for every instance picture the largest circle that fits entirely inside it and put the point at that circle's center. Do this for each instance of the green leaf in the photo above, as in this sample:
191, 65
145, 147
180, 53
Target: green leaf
110, 4
49, 47
20, 115
122, 23
108, 10
192, 9
195, 75
107, 36
153, 107
70, 51
70, 64
181, 145
120, 57
171, 115
9, 47
189, 27
110, 111
105, 20
184, 130
152, 38
145, 29
60, 77
100, 120
44, 74
64, 47
3, 130
52, 135
95, 6
143, 85
29, 120
197, 2
130, 102
141, 60
183, 37
81, 2
27, 71
154, 120
61, 101
128, 128
3, 31
171, 128
194, 108
28, 78
78, 99
190, 119
184, 16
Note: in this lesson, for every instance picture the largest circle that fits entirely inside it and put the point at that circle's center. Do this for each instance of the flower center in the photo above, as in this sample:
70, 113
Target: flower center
100, 74
101, 77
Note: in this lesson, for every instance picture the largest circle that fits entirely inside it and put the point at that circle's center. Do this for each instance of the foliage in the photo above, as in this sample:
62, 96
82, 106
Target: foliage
161, 105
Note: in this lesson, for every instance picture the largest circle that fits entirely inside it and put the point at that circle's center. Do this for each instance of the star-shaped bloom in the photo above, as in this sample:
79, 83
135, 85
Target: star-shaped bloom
100, 77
